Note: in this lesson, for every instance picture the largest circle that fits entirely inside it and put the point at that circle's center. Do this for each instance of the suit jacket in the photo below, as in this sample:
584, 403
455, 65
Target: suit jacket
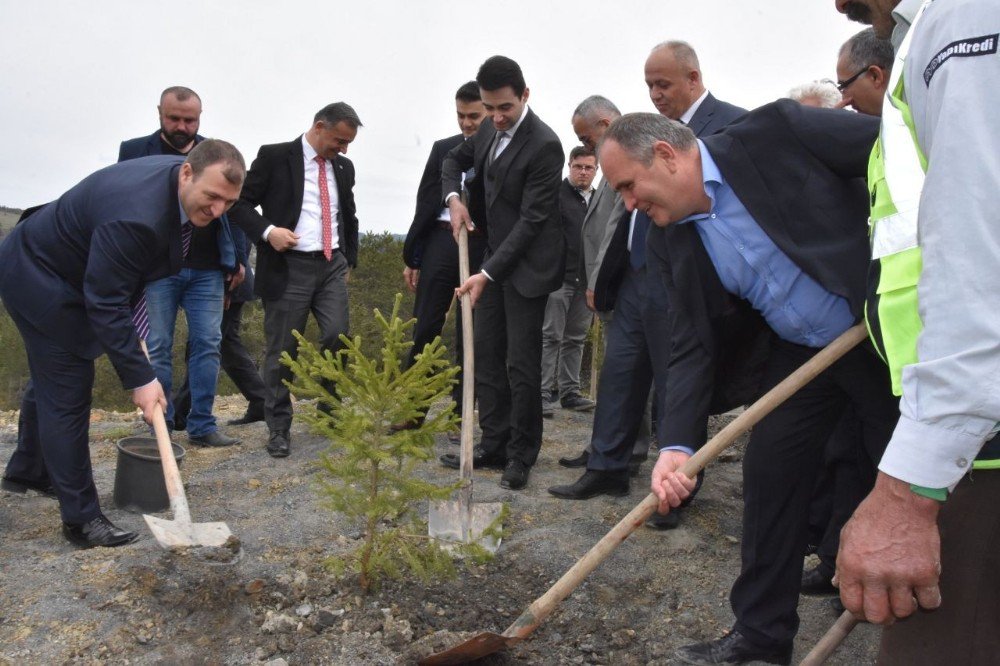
429, 205
233, 247
519, 193
712, 116
144, 146
572, 209
71, 268
800, 173
605, 209
275, 182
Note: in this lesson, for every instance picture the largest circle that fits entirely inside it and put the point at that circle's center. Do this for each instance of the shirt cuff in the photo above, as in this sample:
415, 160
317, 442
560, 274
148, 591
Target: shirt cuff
930, 455
678, 447
449, 196
267, 231
483, 271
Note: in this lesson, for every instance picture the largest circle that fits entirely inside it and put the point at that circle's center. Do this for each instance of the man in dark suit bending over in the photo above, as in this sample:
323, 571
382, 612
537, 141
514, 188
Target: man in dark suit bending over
760, 235
307, 242
518, 161
69, 272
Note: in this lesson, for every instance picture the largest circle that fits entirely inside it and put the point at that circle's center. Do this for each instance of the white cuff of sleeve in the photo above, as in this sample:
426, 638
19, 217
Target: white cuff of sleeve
930, 455
678, 447
483, 271
449, 197
267, 231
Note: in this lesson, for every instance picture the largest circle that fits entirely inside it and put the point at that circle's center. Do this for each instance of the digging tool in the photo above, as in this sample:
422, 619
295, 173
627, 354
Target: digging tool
181, 532
487, 642
462, 521
831, 640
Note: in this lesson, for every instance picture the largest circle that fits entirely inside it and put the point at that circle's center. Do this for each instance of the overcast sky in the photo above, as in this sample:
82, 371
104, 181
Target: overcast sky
79, 77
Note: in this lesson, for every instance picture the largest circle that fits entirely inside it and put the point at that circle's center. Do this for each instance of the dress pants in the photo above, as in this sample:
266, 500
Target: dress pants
627, 374
235, 360
564, 332
439, 277
508, 336
780, 468
200, 293
964, 629
314, 285
53, 429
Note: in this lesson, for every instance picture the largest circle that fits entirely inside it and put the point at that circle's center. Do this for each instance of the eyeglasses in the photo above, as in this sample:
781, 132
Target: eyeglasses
843, 85
582, 167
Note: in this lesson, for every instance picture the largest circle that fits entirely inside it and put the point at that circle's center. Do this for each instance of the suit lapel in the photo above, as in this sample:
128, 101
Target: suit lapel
595, 200
702, 117
298, 175
501, 165
173, 224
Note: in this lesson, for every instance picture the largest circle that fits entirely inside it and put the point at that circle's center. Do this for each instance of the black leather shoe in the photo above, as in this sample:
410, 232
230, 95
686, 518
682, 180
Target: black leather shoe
579, 461
594, 482
21, 486
180, 423
670, 521
733, 648
480, 460
98, 532
278, 445
817, 582
515, 475
253, 415
213, 439
578, 403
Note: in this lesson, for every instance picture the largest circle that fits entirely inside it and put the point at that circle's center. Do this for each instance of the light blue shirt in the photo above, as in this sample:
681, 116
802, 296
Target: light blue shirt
751, 266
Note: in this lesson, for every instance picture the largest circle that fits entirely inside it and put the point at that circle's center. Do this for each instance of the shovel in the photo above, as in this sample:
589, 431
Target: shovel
462, 521
487, 642
831, 640
181, 532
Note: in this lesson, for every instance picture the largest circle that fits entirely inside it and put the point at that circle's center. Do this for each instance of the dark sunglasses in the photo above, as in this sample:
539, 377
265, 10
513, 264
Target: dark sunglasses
842, 85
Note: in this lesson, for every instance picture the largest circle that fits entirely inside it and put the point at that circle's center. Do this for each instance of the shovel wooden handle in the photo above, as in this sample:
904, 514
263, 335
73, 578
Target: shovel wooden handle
544, 605
831, 640
171, 474
468, 388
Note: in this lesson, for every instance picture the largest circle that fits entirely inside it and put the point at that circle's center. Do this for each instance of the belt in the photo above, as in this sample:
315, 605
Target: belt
314, 254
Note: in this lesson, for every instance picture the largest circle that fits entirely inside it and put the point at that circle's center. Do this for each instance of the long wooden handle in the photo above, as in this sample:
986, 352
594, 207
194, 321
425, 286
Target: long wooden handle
543, 606
831, 640
171, 475
468, 387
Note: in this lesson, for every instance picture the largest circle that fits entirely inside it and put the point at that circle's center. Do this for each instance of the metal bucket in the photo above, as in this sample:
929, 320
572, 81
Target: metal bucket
139, 483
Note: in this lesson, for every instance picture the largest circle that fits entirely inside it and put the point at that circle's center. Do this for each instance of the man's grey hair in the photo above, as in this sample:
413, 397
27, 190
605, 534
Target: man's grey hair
682, 51
865, 49
824, 91
217, 151
595, 107
637, 132
338, 112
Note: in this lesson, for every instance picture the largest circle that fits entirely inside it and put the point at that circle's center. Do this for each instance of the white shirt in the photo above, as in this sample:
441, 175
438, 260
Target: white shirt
309, 227
693, 109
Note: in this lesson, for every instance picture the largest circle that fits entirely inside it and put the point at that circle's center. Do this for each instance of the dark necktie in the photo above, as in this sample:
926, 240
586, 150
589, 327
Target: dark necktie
140, 314
637, 254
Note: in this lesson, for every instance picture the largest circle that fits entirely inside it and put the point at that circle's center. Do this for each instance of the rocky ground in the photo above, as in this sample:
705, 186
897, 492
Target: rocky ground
141, 605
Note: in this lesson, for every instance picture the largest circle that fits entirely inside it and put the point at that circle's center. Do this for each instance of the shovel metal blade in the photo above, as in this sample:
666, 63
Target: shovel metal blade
178, 534
476, 647
444, 522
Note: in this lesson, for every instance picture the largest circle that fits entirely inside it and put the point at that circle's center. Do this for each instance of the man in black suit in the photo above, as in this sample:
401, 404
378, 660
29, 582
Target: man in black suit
638, 345
429, 252
200, 288
69, 272
307, 241
518, 161
761, 245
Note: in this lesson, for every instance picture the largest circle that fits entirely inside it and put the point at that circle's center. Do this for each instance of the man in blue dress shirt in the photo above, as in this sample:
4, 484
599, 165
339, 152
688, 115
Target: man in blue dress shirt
761, 244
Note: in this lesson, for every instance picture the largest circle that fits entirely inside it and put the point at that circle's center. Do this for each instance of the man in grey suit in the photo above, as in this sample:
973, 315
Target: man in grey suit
518, 161
638, 348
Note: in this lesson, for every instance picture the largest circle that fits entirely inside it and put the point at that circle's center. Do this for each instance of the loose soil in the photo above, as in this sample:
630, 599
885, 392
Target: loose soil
141, 605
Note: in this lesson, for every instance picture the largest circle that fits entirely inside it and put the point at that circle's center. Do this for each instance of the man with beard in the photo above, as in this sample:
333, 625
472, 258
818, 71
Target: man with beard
927, 534
199, 288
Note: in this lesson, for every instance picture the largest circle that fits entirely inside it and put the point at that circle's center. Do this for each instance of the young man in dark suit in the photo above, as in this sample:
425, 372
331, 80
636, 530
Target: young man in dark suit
69, 273
430, 252
761, 246
307, 242
518, 161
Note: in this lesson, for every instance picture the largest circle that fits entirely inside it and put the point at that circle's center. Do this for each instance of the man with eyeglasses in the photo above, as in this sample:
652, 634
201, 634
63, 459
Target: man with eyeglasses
566, 315
863, 69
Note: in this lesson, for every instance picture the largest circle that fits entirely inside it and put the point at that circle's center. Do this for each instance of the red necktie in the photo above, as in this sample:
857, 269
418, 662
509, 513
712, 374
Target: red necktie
324, 199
